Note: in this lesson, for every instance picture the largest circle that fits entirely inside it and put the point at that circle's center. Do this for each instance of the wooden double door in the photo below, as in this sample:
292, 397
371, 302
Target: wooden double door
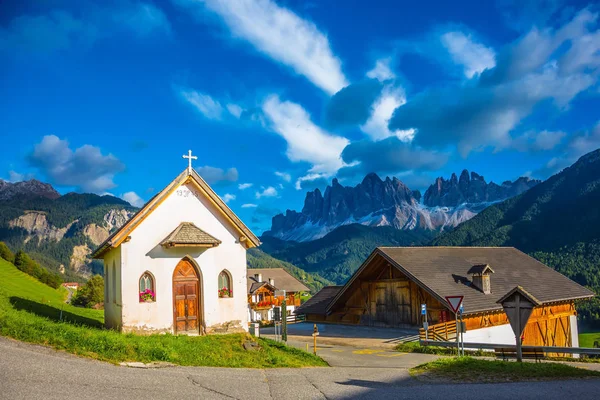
391, 303
186, 298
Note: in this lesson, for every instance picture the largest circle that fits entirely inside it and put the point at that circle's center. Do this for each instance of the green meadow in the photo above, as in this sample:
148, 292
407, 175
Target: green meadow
33, 312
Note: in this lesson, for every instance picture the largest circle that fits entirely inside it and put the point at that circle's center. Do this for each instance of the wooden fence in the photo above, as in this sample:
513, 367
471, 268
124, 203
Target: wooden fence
443, 331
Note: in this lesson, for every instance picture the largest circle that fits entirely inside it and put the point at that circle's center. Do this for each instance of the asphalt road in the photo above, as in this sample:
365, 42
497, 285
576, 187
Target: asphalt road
34, 372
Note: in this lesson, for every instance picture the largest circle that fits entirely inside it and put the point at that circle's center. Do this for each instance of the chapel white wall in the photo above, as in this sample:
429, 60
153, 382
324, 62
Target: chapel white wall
143, 253
112, 297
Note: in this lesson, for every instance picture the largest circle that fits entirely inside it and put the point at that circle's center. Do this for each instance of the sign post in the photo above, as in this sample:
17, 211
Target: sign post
518, 305
283, 315
454, 302
425, 324
315, 334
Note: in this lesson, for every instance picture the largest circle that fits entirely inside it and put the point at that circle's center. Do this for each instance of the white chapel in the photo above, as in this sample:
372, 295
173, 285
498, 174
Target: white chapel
179, 264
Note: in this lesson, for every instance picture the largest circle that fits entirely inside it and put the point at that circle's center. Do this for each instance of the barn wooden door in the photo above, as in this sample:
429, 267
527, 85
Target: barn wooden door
186, 298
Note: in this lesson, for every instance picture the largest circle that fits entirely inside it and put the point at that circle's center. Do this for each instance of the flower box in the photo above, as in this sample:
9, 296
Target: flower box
147, 296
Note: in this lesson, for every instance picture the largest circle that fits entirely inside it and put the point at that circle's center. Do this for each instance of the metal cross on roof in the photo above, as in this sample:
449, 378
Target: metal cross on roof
190, 157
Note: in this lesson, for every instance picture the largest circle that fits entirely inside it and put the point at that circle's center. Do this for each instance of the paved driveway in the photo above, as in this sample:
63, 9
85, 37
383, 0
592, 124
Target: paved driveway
34, 372
350, 335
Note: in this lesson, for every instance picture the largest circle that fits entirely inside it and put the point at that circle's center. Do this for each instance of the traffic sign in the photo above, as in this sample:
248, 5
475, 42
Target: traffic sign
423, 309
454, 302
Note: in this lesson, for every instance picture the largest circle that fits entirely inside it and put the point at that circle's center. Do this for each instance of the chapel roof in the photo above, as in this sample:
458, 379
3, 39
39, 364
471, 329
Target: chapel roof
283, 280
187, 176
188, 234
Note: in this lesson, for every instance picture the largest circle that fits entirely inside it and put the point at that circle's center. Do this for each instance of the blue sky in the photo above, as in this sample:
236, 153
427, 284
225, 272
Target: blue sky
276, 98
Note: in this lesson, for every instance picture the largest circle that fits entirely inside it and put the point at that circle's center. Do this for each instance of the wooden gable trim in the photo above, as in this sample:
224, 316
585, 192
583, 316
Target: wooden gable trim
411, 277
249, 239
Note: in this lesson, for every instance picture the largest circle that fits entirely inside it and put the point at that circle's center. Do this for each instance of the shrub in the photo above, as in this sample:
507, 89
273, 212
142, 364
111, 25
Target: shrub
6, 253
91, 293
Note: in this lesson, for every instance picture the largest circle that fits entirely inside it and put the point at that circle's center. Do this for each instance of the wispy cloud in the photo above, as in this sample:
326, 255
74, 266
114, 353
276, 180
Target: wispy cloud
382, 70
465, 51
213, 174
266, 192
249, 205
382, 109
244, 186
283, 36
228, 197
143, 19
203, 103
306, 141
284, 175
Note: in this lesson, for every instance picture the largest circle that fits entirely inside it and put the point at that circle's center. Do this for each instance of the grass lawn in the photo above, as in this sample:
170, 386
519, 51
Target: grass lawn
588, 339
467, 369
30, 311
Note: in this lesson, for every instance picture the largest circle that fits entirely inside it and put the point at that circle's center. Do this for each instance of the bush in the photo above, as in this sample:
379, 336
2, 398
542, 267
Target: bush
6, 253
91, 294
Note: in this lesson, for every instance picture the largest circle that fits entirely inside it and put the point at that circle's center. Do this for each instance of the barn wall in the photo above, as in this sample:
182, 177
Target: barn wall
382, 296
548, 326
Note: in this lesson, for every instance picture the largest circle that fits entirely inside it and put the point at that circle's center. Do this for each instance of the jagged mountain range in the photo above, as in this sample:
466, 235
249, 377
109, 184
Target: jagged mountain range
389, 202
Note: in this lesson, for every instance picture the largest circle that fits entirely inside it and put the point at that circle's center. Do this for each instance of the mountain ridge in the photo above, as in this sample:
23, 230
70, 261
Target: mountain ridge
389, 202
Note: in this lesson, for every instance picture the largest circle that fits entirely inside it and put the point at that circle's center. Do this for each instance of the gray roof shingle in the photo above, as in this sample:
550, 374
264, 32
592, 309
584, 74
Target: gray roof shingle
283, 280
319, 302
189, 234
445, 271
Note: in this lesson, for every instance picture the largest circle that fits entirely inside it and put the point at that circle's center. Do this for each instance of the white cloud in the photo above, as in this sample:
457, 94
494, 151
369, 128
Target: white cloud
383, 108
205, 104
249, 205
267, 192
86, 168
283, 36
228, 197
244, 186
133, 199
538, 141
143, 19
213, 175
284, 175
308, 178
382, 70
473, 56
306, 141
14, 176
234, 110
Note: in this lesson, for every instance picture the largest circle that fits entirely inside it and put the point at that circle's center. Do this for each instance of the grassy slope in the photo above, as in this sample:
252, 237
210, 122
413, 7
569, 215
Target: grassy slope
467, 369
29, 311
588, 339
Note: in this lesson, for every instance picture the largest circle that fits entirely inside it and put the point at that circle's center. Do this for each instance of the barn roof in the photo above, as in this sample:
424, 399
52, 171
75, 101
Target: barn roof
320, 301
187, 176
445, 271
188, 234
283, 280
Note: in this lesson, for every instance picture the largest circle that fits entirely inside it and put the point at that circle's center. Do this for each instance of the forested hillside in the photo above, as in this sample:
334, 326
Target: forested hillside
259, 259
557, 221
337, 255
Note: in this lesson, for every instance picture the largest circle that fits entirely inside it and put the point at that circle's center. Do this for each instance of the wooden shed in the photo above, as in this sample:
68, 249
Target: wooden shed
391, 285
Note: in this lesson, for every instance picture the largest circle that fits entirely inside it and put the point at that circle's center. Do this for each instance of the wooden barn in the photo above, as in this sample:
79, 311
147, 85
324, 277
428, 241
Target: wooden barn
391, 285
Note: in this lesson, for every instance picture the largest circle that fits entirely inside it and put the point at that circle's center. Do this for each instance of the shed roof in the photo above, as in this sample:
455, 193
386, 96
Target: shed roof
444, 271
320, 301
283, 280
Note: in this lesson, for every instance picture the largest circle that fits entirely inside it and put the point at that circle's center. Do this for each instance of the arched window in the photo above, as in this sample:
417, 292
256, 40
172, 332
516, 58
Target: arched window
225, 289
147, 293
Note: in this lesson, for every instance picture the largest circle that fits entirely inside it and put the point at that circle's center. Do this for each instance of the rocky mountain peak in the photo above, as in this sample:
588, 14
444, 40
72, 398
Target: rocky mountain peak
472, 189
30, 188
